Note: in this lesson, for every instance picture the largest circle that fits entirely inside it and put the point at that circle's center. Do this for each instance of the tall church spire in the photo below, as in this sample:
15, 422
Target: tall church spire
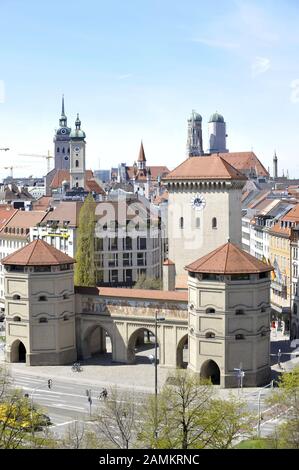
63, 119
62, 108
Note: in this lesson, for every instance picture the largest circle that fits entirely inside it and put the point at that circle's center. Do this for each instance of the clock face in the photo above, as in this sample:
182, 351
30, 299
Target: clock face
77, 149
198, 202
63, 131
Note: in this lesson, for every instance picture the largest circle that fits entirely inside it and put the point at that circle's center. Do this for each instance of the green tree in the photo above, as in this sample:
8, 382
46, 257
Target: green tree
85, 266
190, 416
116, 419
285, 401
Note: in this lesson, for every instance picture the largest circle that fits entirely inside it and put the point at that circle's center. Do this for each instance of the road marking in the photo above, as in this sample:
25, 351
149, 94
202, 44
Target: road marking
64, 424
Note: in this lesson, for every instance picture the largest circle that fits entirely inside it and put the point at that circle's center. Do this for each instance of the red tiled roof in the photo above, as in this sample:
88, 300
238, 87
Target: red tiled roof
245, 162
64, 175
134, 293
6, 213
37, 253
228, 259
208, 168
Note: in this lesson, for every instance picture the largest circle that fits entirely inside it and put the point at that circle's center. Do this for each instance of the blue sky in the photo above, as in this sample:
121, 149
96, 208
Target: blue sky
135, 69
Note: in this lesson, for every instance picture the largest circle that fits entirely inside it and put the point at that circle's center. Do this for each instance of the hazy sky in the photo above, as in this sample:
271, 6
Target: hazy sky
134, 69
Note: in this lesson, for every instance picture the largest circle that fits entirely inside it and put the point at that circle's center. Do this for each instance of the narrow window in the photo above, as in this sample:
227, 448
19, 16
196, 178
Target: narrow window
214, 222
16, 318
77, 163
240, 312
42, 298
181, 222
240, 336
16, 297
57, 149
210, 310
63, 151
197, 222
210, 335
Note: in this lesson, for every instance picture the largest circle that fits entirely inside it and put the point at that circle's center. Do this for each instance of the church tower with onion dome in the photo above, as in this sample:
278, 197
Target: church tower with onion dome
194, 140
217, 134
77, 154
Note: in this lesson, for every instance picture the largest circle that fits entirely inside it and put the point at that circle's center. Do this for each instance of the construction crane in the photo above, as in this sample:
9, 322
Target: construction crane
5, 149
47, 157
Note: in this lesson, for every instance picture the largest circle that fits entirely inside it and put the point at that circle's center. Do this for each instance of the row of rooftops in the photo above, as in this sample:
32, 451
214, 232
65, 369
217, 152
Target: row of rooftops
227, 259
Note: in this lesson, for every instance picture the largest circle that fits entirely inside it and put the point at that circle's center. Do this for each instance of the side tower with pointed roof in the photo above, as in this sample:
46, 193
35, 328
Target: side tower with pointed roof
62, 142
39, 305
204, 208
229, 317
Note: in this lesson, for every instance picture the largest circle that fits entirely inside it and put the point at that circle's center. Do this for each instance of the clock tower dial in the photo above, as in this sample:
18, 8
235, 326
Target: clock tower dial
198, 202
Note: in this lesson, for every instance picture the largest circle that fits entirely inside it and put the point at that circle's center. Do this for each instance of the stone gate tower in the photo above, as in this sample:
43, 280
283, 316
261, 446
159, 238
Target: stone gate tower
229, 317
39, 305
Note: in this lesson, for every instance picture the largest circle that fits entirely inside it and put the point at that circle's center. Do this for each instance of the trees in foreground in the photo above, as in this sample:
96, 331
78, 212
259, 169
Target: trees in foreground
285, 399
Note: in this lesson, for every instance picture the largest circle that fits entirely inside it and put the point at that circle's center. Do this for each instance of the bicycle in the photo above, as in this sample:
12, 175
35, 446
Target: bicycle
76, 367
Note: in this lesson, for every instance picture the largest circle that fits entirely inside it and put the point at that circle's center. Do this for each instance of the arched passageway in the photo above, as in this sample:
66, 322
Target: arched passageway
98, 345
141, 347
18, 352
210, 370
182, 353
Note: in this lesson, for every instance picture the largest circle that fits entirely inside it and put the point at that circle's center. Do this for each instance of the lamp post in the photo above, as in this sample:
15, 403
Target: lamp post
157, 319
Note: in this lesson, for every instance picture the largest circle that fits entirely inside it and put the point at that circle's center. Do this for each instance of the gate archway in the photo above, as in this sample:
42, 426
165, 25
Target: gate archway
210, 370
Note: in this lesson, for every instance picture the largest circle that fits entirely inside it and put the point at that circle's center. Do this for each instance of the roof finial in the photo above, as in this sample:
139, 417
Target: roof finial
62, 107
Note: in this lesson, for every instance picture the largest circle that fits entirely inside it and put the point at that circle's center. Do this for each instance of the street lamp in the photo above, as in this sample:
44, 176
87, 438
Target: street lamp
157, 320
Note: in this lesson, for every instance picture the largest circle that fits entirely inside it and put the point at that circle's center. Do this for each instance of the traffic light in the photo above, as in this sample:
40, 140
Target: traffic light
49, 383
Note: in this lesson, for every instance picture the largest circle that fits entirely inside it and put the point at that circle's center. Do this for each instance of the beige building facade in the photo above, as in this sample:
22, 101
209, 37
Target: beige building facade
223, 317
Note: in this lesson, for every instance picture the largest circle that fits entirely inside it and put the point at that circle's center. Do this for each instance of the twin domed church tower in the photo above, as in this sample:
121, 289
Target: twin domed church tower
69, 148
217, 135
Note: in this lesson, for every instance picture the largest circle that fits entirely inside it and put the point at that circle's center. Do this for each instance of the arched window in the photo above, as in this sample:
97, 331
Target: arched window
63, 151
16, 318
210, 310
210, 335
240, 336
240, 312
57, 149
214, 222
16, 297
43, 320
263, 309
65, 317
66, 296
197, 222
77, 163
42, 298
181, 222
77, 185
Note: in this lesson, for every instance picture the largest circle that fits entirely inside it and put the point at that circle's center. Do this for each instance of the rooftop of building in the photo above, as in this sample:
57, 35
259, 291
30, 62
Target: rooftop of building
134, 293
206, 168
37, 253
65, 213
245, 162
228, 259
21, 221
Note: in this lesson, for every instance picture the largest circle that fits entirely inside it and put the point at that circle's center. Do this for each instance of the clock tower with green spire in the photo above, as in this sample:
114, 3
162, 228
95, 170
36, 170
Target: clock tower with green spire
62, 142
